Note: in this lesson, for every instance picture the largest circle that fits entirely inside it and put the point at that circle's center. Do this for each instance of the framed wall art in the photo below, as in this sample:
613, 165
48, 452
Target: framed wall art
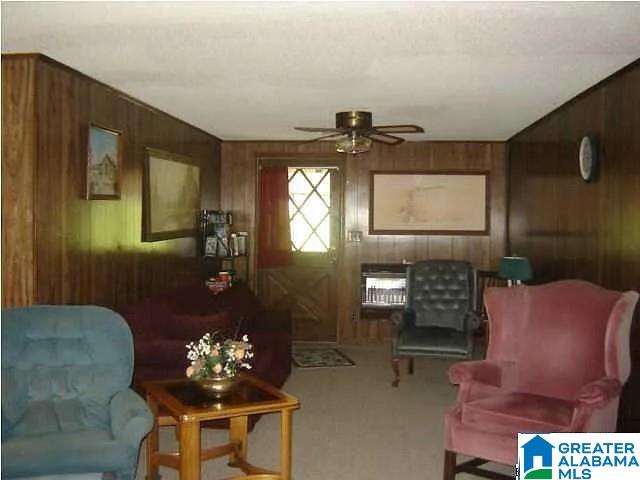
171, 196
429, 203
104, 163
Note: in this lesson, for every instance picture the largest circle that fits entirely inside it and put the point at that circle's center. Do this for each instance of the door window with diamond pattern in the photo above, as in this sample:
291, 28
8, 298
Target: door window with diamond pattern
308, 286
310, 209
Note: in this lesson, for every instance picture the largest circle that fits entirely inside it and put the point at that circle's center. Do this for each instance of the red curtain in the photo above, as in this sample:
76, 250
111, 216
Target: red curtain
274, 241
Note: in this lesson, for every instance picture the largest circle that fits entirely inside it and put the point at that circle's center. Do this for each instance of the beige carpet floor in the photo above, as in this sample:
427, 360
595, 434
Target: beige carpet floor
352, 425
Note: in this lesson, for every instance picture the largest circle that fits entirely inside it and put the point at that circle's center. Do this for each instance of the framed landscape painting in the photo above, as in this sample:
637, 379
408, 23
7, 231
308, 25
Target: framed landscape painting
429, 203
171, 196
104, 163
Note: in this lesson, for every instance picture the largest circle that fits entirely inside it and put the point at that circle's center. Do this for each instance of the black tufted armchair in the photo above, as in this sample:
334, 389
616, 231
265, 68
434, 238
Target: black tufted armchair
439, 318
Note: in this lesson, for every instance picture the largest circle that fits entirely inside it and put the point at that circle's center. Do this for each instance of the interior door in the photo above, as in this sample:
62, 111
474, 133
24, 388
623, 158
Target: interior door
308, 287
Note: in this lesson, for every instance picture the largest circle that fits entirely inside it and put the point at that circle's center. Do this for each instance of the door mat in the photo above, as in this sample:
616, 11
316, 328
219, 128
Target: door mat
319, 357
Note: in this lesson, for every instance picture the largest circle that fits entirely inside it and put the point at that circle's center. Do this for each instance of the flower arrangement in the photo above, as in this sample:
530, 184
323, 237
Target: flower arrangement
216, 357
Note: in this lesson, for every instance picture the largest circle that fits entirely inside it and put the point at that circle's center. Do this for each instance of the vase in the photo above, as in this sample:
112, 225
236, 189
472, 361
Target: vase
219, 386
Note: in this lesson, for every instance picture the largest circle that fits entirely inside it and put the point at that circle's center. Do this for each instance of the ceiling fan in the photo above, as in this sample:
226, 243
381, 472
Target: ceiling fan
358, 131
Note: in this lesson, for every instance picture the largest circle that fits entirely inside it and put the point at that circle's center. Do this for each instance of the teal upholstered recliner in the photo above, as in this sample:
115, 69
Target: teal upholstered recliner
66, 403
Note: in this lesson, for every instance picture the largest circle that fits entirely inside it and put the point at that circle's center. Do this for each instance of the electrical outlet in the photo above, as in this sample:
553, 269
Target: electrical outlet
354, 236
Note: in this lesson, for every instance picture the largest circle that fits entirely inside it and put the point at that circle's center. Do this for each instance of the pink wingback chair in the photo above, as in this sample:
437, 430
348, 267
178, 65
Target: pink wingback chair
557, 359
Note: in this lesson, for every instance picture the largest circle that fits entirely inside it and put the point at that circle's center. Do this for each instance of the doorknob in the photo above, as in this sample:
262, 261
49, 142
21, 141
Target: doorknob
332, 253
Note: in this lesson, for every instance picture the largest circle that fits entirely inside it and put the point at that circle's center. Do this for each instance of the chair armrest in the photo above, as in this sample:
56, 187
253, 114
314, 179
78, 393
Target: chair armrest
481, 371
131, 419
268, 320
597, 394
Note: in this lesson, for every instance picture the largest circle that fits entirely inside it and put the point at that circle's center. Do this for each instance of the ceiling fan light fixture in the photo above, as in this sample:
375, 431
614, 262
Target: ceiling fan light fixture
359, 131
353, 144
354, 119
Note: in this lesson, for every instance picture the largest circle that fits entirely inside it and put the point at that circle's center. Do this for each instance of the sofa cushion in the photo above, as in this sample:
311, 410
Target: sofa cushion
515, 412
420, 340
161, 352
149, 318
240, 302
192, 327
157, 372
192, 300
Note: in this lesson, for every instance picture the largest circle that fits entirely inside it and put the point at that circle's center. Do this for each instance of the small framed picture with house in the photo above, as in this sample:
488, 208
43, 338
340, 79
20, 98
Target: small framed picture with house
104, 163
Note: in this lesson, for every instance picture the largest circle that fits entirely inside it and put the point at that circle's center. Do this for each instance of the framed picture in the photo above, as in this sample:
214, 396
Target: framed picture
171, 196
429, 203
104, 163
211, 246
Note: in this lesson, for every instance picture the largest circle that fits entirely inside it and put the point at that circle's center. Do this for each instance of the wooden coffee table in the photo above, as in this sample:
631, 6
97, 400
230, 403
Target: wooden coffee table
184, 404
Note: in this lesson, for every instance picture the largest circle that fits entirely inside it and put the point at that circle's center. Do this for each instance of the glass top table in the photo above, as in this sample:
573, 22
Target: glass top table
185, 404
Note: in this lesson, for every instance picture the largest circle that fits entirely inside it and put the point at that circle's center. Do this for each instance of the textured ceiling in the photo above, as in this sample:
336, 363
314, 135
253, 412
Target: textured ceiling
474, 71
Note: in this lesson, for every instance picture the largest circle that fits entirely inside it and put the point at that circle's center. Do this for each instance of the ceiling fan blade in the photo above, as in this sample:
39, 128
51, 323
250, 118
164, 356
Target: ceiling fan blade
319, 130
384, 138
339, 134
399, 129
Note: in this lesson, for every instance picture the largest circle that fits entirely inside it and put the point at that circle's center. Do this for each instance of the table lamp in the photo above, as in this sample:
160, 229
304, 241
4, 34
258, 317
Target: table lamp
515, 269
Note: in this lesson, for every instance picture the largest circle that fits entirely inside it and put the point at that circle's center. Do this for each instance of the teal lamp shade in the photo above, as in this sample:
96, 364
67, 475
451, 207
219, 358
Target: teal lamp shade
515, 268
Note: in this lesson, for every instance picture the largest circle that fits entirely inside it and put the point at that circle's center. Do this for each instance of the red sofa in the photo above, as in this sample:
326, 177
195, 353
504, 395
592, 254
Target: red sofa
162, 326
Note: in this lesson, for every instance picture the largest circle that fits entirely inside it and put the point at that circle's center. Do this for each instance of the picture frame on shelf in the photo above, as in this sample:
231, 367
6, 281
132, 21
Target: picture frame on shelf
171, 196
104, 163
210, 246
439, 202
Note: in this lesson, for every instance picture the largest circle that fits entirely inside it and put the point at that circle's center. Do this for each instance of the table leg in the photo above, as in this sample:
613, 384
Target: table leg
152, 441
238, 437
285, 445
190, 450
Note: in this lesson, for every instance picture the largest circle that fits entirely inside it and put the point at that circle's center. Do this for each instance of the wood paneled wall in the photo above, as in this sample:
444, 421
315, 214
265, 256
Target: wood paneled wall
88, 251
567, 227
18, 167
239, 195
572, 229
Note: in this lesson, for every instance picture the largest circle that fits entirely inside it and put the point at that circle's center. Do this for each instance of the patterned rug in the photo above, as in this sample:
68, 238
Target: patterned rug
319, 357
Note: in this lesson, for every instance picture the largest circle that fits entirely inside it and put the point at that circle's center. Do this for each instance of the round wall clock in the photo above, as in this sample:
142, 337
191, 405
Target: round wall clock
588, 158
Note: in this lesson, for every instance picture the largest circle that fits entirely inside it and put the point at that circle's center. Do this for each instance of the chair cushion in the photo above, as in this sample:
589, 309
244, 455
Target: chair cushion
60, 415
72, 452
415, 340
515, 412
